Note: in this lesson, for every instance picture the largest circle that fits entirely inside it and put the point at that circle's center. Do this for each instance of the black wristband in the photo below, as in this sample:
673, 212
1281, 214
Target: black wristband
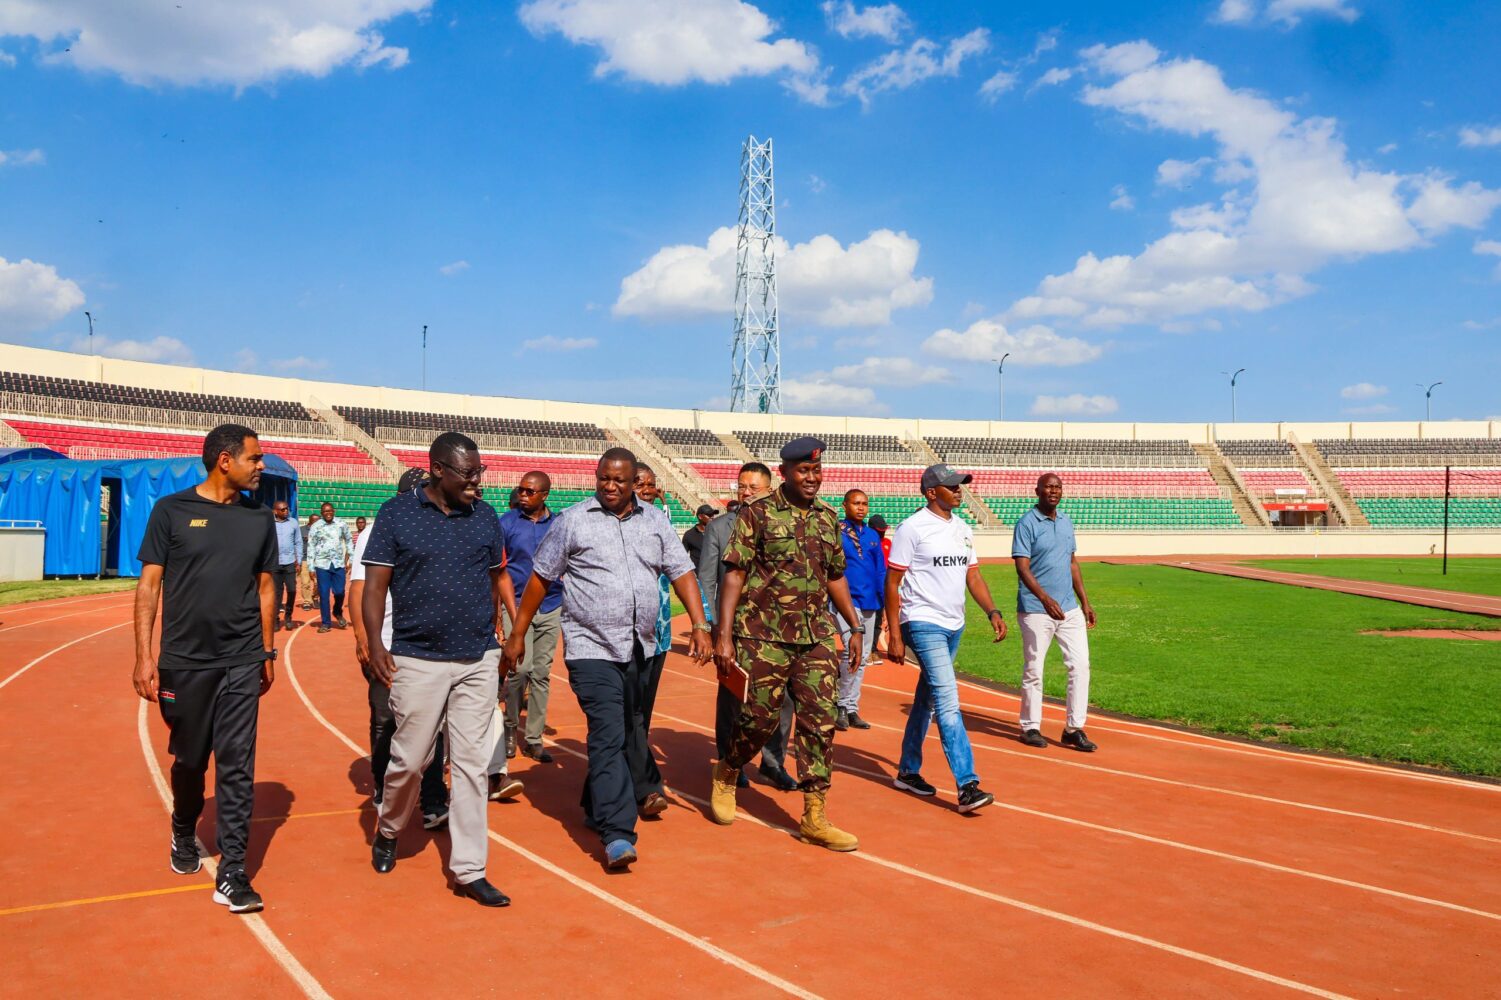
993, 612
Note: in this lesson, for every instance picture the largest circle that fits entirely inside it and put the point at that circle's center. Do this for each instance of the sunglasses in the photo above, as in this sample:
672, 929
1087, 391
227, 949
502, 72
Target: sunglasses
469, 475
528, 491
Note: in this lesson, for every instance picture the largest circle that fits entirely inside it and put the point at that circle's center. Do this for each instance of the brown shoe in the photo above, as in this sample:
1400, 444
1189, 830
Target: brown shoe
503, 787
655, 805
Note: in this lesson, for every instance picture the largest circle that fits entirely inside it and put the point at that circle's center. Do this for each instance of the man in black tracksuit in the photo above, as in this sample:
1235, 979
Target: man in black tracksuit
208, 557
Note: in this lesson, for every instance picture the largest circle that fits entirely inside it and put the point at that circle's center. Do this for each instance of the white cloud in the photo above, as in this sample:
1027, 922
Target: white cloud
1373, 410
1480, 135
990, 338
1002, 82
163, 350
1121, 199
890, 371
1074, 405
1362, 390
1290, 12
1490, 248
6, 59
209, 41
834, 285
1390, 147
823, 396
886, 22
1235, 12
456, 267
1181, 173
1476, 324
817, 184
1307, 203
672, 42
22, 158
301, 363
33, 296
810, 88
1054, 76
559, 344
856, 341
922, 60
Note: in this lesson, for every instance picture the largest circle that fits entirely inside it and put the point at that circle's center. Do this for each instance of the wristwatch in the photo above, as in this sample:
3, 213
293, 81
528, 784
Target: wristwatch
993, 612
858, 631
270, 654
703, 627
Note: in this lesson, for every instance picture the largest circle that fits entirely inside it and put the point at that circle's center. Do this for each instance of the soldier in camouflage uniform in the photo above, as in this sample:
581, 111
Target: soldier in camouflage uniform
784, 564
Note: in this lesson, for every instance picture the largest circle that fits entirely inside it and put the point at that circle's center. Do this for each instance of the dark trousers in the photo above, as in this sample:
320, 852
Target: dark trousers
434, 793
727, 710
331, 581
622, 770
213, 711
284, 578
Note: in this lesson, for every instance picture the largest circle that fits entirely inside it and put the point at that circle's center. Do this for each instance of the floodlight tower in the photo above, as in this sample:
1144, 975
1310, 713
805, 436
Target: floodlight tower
756, 353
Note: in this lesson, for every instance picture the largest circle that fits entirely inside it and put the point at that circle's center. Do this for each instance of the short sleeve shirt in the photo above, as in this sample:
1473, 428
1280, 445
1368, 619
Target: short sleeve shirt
789, 556
1049, 543
357, 575
936, 554
212, 555
442, 605
328, 544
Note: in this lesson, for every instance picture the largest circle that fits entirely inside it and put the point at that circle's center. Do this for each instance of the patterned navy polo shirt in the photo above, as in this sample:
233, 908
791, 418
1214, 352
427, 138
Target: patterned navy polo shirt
442, 608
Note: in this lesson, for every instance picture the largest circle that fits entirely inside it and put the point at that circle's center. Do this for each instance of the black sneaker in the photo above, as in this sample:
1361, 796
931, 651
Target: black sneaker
841, 720
856, 722
1075, 738
972, 797
322, 629
1033, 738
185, 857
435, 819
233, 891
915, 784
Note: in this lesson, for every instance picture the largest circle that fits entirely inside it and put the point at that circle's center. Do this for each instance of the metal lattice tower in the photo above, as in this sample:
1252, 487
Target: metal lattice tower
756, 354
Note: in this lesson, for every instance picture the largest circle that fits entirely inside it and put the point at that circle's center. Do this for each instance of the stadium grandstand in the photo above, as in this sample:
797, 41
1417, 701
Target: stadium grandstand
1131, 488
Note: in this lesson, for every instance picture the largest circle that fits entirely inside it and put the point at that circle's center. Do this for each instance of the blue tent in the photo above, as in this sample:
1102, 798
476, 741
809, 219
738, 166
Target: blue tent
29, 453
66, 496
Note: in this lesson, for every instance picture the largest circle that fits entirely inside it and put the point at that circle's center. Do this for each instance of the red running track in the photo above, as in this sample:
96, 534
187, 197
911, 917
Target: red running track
1167, 863
1447, 600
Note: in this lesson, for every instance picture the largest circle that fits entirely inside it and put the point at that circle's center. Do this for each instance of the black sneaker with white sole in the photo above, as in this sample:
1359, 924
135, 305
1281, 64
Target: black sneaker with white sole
972, 797
436, 819
185, 857
233, 890
915, 784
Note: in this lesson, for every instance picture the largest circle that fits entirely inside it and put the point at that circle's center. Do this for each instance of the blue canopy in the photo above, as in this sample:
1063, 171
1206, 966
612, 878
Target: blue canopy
29, 452
66, 496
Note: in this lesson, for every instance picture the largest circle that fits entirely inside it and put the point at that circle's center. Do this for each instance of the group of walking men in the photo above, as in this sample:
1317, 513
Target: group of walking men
450, 599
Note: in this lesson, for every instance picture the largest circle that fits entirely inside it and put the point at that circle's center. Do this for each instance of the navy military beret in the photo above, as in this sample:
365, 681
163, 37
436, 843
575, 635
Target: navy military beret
803, 449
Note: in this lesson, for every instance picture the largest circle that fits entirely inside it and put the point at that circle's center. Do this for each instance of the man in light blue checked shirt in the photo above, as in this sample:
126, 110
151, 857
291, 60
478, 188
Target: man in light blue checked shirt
288, 561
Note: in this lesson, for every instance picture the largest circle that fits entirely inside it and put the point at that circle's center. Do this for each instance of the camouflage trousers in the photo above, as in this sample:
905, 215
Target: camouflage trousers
809, 673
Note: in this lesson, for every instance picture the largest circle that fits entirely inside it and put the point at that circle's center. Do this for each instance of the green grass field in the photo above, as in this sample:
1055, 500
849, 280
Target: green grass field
1273, 662
1471, 575
43, 590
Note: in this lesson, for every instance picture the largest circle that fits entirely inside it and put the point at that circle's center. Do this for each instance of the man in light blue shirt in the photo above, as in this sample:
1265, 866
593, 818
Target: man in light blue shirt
288, 561
1051, 604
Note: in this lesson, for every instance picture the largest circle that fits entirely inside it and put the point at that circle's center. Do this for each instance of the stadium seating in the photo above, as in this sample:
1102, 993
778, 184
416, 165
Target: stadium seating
1399, 482
694, 442
539, 435
1067, 452
161, 399
1129, 512
767, 446
1380, 451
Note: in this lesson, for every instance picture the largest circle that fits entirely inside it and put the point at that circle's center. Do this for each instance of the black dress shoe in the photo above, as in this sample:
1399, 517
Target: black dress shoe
856, 722
1075, 738
841, 720
538, 753
1033, 738
778, 778
483, 893
383, 854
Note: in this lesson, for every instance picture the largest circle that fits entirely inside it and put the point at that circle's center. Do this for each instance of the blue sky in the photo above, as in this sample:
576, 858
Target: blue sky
1127, 198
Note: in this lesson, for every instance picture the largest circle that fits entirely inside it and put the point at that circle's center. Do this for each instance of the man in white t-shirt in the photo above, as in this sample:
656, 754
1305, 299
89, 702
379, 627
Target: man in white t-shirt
932, 563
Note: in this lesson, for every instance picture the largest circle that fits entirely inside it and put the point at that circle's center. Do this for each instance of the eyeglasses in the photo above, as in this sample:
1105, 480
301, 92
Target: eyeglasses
528, 491
469, 475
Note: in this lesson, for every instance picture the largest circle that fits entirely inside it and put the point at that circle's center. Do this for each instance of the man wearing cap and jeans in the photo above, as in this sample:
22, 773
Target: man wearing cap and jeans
1051, 604
933, 561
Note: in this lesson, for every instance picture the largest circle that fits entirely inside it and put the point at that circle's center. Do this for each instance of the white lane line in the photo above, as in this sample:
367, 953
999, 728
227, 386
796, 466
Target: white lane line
48, 605
1201, 741
1040, 911
1178, 845
254, 922
59, 649
1098, 769
56, 618
729, 958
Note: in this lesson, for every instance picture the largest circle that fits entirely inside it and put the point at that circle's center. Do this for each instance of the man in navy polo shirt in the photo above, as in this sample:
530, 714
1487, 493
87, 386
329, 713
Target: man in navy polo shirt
438, 550
523, 529
1051, 604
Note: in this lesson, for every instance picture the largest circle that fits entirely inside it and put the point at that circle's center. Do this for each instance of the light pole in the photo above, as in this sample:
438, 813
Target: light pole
91, 330
1428, 398
1000, 374
424, 357
1233, 379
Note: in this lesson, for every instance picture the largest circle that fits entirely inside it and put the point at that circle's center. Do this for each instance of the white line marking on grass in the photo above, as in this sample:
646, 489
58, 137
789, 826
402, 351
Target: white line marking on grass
1098, 769
59, 649
729, 958
254, 922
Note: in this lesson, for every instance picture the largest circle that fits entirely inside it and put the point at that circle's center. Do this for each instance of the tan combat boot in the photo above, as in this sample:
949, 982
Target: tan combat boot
816, 828
722, 794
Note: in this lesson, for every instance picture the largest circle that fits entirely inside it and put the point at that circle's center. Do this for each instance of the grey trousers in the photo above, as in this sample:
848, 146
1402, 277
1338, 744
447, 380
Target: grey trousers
422, 692
532, 675
849, 682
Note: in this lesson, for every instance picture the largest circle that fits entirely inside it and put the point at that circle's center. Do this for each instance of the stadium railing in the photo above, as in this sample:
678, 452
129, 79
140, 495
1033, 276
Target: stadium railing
198, 421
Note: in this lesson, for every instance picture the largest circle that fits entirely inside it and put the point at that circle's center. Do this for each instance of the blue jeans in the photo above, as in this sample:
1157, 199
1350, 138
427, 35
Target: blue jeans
937, 694
330, 582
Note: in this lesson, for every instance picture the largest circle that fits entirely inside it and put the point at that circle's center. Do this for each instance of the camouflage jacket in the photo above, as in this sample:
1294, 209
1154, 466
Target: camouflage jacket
789, 556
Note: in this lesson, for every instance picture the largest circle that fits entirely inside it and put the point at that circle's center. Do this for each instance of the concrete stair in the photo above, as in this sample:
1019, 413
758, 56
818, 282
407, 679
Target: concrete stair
985, 518
672, 469
736, 447
11, 438
356, 436
1224, 473
1340, 502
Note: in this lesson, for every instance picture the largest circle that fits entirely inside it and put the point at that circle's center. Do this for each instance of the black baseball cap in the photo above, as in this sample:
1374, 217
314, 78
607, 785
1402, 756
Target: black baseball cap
944, 475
